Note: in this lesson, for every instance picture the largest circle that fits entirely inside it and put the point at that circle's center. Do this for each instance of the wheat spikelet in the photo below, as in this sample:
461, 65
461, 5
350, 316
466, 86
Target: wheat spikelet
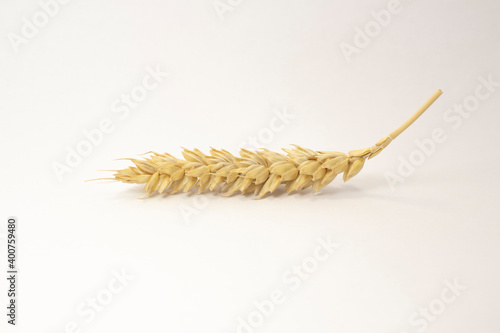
260, 172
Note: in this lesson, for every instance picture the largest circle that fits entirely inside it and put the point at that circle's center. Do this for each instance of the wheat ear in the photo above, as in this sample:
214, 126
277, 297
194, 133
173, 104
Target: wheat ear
259, 171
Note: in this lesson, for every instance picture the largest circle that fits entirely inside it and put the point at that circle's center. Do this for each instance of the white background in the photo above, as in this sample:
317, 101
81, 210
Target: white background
200, 264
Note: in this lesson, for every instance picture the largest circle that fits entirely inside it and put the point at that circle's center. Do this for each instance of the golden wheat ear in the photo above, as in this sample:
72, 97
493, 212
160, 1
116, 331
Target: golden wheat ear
259, 172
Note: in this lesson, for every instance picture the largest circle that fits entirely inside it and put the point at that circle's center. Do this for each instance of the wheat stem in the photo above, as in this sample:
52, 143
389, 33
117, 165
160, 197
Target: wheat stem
384, 142
417, 114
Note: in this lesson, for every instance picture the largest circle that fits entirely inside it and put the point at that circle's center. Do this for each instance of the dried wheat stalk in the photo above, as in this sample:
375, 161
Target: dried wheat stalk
259, 172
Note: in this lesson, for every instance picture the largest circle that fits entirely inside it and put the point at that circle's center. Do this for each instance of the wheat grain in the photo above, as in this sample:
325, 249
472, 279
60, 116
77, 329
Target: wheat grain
260, 172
